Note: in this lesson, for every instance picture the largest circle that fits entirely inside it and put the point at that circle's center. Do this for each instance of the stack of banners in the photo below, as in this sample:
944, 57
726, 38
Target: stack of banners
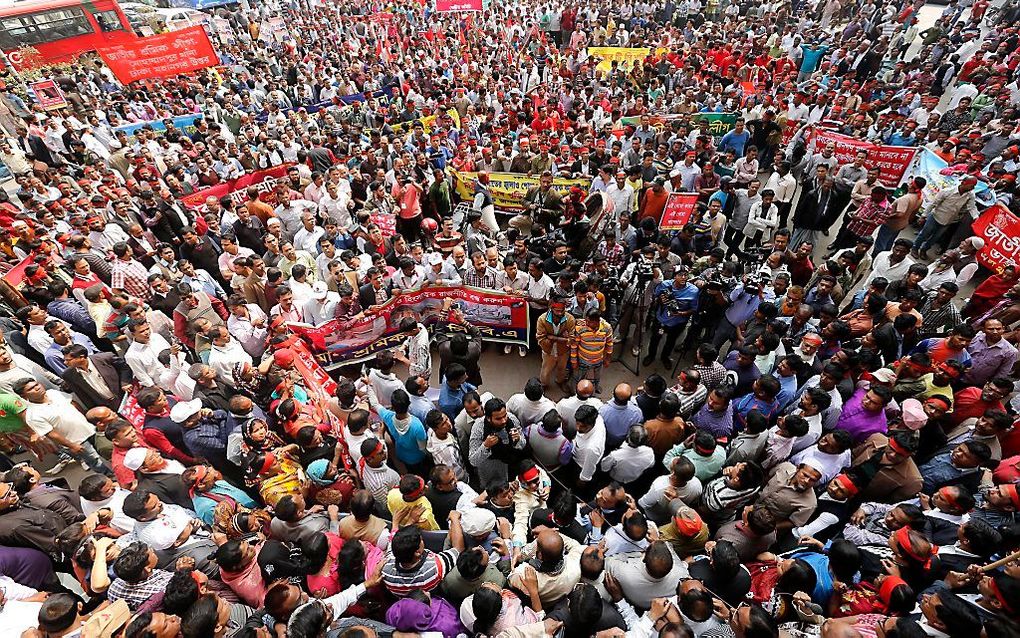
428, 122
448, 6
500, 317
184, 123
678, 210
161, 56
892, 161
1001, 231
340, 101
939, 176
508, 189
623, 56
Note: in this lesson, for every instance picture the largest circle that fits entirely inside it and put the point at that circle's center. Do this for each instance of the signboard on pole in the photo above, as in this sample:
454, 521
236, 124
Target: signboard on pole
48, 94
678, 210
1001, 231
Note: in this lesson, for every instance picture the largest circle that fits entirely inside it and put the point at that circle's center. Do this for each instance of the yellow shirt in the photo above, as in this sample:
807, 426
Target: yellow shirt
395, 503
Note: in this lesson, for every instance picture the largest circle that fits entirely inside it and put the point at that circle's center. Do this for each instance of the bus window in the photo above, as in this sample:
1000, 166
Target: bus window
108, 21
46, 26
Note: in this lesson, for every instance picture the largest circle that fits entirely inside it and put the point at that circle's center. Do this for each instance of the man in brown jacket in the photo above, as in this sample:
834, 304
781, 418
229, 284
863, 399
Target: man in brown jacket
553, 332
896, 477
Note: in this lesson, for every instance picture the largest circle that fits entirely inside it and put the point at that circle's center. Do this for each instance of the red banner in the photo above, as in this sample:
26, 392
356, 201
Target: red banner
16, 275
892, 161
1001, 231
500, 317
161, 56
445, 6
678, 210
264, 180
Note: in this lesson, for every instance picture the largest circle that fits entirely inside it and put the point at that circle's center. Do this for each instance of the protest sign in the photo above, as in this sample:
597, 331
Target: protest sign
623, 56
446, 6
161, 56
185, 123
48, 94
678, 210
508, 189
339, 101
236, 189
892, 161
16, 276
718, 123
500, 317
1001, 231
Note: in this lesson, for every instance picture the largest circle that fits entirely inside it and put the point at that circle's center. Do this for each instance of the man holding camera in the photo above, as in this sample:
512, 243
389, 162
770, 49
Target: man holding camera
744, 300
676, 301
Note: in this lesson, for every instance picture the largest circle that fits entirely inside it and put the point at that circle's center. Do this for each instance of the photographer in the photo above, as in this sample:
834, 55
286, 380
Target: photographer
541, 204
744, 300
675, 302
640, 278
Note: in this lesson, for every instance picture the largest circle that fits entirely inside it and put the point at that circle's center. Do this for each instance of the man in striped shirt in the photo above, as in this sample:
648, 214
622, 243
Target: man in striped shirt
591, 348
410, 566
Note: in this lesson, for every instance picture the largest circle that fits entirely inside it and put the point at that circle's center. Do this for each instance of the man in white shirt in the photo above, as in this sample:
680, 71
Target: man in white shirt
319, 308
225, 353
567, 407
52, 415
531, 405
143, 354
590, 442
248, 324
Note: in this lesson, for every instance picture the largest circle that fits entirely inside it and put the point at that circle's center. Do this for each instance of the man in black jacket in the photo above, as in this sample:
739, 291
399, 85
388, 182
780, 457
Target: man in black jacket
99, 379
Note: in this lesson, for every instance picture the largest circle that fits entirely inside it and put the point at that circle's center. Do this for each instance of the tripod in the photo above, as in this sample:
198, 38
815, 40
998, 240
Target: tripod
640, 314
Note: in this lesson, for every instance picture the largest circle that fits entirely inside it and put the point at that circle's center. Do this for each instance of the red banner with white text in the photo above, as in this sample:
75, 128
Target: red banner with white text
1001, 231
678, 210
161, 56
892, 161
237, 189
446, 6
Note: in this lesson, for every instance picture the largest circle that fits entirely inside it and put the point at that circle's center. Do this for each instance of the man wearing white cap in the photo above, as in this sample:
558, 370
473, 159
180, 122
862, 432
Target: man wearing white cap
321, 306
205, 433
158, 475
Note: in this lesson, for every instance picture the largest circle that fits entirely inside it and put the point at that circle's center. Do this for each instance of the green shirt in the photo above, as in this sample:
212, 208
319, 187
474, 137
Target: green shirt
11, 408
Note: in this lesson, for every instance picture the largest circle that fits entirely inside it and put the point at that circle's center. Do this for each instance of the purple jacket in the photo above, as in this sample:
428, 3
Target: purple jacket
413, 616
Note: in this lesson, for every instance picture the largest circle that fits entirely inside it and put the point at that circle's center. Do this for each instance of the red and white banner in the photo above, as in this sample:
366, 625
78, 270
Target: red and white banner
1001, 231
446, 6
161, 56
678, 210
237, 189
892, 161
48, 94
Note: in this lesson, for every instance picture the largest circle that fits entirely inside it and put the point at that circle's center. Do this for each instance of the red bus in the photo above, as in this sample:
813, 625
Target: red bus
60, 29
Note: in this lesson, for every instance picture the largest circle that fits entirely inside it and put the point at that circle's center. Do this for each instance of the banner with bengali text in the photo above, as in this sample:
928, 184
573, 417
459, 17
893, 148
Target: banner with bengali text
447, 6
500, 317
161, 56
892, 161
718, 123
341, 101
1001, 231
428, 122
264, 180
623, 56
678, 210
185, 123
508, 189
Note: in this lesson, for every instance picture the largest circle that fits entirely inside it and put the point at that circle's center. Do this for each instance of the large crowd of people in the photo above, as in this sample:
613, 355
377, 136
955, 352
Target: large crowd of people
820, 436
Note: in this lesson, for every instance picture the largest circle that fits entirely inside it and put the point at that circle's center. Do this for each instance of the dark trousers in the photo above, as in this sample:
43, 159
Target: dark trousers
672, 333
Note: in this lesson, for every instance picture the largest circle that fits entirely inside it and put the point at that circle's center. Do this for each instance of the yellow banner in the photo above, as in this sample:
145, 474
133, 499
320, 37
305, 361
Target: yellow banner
508, 189
625, 56
427, 122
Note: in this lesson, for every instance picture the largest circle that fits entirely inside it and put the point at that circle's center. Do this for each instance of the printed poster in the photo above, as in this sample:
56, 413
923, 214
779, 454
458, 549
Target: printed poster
48, 94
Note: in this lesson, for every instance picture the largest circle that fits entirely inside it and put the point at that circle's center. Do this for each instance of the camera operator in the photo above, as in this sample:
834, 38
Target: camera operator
640, 278
676, 301
744, 300
541, 205
715, 285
